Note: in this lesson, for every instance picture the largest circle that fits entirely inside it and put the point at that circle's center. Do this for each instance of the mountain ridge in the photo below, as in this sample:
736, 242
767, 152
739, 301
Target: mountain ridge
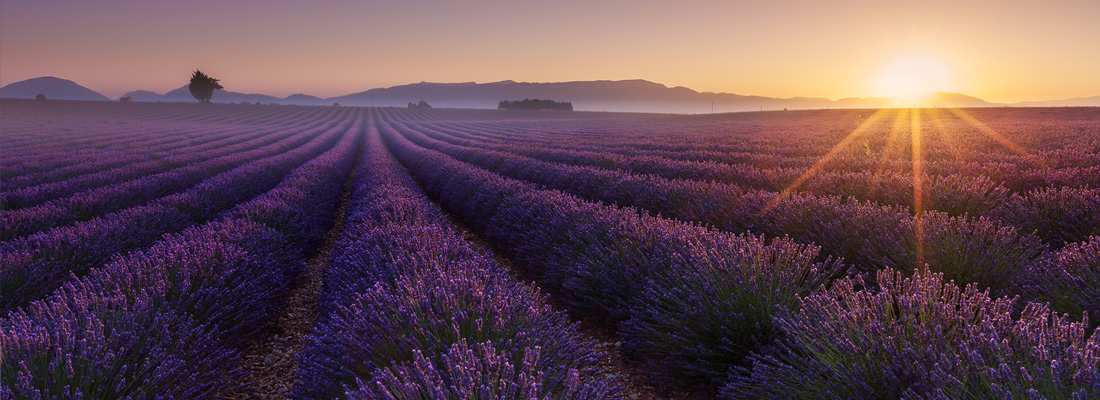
631, 95
52, 87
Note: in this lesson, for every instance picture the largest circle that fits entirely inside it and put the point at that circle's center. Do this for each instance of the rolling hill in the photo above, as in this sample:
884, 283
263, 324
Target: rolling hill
52, 87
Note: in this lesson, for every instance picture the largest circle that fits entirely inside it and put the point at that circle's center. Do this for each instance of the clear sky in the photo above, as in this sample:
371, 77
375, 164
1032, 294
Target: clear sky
999, 50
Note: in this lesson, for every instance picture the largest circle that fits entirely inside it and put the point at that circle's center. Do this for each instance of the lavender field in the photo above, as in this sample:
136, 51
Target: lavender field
199, 251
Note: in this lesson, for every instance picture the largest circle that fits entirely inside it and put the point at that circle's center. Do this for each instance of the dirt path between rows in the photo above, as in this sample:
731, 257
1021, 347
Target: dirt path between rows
272, 363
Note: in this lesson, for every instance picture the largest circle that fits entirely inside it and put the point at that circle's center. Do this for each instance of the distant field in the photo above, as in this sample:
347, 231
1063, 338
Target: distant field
233, 251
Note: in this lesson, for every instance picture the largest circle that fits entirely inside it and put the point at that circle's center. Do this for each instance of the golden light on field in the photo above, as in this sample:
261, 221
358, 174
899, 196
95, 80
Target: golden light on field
907, 122
913, 77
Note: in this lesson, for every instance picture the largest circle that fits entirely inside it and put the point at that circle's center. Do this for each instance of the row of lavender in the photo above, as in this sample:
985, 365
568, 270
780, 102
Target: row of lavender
1059, 214
90, 196
35, 265
693, 302
18, 171
613, 264
71, 134
38, 155
868, 236
108, 167
1059, 148
975, 250
695, 305
411, 310
873, 237
142, 158
170, 321
953, 193
47, 143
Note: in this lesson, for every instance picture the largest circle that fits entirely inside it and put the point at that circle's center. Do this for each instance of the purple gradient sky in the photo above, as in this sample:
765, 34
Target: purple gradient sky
1006, 50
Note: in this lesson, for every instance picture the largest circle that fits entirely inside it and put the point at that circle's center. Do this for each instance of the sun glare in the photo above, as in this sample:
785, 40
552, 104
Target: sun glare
913, 77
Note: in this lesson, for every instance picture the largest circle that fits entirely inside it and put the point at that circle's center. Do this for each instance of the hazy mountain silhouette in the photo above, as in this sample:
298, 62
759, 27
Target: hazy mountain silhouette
1079, 101
306, 100
225, 96
935, 99
54, 89
628, 95
221, 96
143, 95
947, 99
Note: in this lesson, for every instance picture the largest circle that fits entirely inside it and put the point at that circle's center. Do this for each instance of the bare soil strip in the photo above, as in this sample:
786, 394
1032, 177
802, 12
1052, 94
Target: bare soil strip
272, 360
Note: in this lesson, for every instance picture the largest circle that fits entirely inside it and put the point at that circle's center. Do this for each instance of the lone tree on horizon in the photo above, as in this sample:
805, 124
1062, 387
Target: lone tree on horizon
202, 86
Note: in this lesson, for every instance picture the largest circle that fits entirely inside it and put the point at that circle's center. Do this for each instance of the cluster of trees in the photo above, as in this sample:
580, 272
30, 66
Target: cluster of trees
421, 104
535, 104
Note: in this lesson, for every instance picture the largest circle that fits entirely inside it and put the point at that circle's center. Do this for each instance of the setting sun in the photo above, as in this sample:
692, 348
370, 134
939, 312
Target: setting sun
911, 77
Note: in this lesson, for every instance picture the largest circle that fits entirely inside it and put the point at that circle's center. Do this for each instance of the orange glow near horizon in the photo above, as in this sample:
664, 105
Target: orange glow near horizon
891, 150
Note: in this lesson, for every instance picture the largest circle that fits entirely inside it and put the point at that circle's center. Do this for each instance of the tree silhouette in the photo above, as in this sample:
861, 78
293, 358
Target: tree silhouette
202, 86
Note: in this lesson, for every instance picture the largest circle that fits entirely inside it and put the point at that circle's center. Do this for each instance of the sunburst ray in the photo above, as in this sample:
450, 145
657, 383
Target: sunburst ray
888, 151
996, 136
871, 120
946, 137
918, 183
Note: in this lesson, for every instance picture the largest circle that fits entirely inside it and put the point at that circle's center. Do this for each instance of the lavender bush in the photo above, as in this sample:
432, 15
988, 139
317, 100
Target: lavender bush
170, 321
1058, 215
921, 337
404, 296
1068, 279
474, 372
694, 321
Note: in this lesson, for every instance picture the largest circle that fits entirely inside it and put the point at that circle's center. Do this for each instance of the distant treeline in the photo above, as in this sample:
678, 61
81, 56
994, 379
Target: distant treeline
535, 104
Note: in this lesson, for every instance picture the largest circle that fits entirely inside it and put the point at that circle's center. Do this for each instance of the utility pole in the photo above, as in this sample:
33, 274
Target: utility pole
712, 107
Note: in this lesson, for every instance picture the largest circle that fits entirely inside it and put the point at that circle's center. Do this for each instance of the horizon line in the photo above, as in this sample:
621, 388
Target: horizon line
998, 103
